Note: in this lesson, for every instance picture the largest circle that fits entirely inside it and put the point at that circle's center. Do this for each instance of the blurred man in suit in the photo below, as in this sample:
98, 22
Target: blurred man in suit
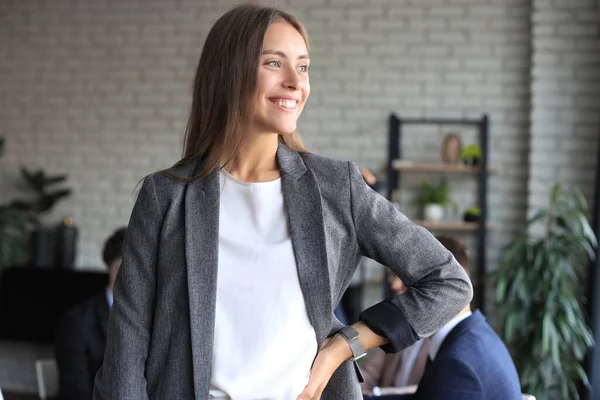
81, 334
464, 360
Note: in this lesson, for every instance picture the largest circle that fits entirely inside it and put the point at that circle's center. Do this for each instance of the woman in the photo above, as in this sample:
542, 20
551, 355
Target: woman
236, 257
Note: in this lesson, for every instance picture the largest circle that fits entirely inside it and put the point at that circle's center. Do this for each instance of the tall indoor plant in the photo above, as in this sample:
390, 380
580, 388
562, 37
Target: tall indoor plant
539, 287
14, 232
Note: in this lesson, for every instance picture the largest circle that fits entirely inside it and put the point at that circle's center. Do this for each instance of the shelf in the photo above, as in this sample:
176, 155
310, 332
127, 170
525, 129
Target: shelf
401, 165
455, 226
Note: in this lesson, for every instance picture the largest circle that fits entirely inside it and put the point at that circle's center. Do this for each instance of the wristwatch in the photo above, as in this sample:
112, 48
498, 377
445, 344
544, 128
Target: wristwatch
351, 336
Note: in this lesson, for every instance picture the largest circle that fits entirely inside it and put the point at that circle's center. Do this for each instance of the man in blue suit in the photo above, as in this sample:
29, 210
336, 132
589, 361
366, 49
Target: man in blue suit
467, 360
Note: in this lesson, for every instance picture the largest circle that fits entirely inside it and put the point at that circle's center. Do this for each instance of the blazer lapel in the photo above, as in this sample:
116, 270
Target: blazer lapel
201, 250
302, 200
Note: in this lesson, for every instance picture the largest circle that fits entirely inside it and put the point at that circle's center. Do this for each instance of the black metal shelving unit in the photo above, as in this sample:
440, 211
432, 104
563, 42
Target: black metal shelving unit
395, 152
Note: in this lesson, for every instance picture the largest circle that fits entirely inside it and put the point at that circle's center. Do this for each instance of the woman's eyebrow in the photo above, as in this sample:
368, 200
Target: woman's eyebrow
282, 54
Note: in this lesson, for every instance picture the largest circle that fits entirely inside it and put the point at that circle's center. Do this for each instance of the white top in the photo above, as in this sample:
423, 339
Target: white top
438, 338
410, 355
264, 342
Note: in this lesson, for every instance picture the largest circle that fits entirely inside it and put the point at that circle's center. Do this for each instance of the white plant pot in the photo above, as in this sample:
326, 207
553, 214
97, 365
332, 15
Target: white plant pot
433, 212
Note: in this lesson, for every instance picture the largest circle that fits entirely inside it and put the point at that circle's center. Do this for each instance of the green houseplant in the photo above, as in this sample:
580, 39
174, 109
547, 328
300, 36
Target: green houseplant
20, 227
471, 155
46, 197
13, 231
539, 287
472, 214
433, 199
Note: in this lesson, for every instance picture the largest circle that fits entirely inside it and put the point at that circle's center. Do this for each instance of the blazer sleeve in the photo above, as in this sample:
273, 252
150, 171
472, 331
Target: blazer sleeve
122, 375
438, 287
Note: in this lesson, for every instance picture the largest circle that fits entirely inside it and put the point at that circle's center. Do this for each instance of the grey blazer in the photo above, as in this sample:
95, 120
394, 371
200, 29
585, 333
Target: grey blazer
161, 326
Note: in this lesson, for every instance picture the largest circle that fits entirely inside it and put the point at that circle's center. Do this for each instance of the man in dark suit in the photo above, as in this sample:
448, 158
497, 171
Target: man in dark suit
81, 334
466, 358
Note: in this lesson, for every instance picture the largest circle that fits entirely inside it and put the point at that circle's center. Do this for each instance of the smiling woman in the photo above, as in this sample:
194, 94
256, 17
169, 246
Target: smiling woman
236, 256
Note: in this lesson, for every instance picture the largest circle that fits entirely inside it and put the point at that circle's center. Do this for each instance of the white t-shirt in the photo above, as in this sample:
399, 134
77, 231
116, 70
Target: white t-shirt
264, 342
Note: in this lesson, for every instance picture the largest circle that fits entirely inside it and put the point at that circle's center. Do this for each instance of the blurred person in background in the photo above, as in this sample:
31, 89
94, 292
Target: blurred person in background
80, 337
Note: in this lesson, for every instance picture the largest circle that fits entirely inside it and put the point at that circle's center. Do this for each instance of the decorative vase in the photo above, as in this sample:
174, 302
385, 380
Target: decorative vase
43, 247
67, 234
451, 148
433, 212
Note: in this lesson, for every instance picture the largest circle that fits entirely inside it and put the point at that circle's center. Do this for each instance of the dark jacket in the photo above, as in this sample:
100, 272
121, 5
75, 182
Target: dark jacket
79, 347
472, 364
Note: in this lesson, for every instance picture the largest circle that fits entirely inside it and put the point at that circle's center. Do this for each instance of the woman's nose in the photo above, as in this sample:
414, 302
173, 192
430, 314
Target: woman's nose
292, 81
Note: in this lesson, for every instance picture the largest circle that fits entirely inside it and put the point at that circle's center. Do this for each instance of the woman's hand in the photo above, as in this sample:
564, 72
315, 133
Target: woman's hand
333, 352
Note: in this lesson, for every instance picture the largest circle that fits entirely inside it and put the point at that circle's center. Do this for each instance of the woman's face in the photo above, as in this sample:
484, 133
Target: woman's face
282, 85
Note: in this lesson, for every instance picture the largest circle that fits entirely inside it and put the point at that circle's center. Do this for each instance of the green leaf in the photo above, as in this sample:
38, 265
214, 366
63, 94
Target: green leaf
578, 195
546, 333
588, 232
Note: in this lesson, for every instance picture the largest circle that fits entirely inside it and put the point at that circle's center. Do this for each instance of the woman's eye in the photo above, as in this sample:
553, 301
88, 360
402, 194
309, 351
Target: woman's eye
303, 68
273, 63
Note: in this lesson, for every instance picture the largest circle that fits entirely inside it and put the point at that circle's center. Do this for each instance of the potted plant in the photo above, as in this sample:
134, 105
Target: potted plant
539, 286
433, 199
45, 241
472, 214
471, 155
21, 230
13, 232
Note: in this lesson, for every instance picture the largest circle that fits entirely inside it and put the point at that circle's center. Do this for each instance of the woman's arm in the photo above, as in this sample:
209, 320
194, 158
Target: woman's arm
438, 287
122, 375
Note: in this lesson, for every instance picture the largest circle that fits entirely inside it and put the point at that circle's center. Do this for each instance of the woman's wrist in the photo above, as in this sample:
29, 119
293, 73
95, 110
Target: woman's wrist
340, 348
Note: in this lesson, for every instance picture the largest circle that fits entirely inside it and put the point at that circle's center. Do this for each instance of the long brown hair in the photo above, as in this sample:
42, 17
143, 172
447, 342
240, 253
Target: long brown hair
225, 85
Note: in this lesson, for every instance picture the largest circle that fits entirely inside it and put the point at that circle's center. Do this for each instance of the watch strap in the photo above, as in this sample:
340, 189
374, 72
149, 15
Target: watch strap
351, 336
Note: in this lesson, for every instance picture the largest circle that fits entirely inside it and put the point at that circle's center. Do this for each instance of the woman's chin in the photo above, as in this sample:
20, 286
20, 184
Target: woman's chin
288, 132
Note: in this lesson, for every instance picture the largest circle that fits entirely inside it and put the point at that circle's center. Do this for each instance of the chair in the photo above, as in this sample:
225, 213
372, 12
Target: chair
528, 397
46, 372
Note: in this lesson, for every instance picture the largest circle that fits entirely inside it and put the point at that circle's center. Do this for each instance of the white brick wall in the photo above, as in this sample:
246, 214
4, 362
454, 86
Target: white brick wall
100, 90
565, 113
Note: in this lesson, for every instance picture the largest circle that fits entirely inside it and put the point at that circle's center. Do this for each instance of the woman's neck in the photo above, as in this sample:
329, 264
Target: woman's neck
256, 160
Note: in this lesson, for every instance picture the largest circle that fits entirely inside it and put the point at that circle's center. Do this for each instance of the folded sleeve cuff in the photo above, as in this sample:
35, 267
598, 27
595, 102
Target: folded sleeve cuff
387, 320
